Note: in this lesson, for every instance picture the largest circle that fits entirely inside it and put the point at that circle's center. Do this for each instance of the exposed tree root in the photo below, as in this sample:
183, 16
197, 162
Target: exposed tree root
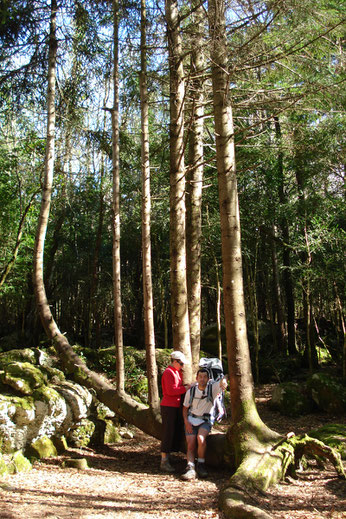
261, 469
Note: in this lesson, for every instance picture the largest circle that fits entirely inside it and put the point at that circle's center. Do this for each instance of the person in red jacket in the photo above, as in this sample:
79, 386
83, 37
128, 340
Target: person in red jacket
171, 412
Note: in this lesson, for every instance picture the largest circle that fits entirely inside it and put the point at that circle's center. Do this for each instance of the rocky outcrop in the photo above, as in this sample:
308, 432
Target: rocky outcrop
36, 401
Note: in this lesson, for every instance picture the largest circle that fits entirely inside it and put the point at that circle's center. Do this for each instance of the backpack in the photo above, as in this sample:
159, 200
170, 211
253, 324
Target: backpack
215, 371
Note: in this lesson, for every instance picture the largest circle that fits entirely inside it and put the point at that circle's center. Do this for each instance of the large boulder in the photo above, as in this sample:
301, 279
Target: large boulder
328, 393
291, 399
36, 401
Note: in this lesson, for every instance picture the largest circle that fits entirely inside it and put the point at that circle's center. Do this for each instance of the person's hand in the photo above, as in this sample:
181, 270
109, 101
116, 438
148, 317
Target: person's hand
223, 384
188, 427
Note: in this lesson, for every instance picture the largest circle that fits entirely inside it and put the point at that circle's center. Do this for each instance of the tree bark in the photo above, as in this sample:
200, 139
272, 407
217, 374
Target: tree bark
179, 301
280, 336
195, 181
287, 275
247, 434
149, 332
118, 327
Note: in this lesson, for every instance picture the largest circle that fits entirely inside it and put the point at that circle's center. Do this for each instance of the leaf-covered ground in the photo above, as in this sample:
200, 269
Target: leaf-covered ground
123, 481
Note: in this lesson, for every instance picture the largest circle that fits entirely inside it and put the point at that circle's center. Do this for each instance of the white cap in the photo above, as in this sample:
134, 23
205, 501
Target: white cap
178, 355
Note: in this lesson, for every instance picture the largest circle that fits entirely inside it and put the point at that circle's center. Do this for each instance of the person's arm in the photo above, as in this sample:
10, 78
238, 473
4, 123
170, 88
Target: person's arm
219, 385
188, 426
171, 385
223, 383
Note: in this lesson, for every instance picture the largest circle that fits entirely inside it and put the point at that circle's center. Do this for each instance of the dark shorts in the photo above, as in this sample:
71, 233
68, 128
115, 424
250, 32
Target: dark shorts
195, 428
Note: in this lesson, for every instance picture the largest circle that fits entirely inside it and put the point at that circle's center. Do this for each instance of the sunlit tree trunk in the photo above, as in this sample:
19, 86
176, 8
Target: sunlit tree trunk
195, 180
146, 214
287, 275
118, 330
241, 383
179, 302
38, 280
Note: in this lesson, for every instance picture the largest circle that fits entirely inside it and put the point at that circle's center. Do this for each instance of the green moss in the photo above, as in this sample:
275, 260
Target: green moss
23, 377
19, 463
80, 436
18, 401
111, 433
3, 466
333, 435
26, 355
41, 448
46, 394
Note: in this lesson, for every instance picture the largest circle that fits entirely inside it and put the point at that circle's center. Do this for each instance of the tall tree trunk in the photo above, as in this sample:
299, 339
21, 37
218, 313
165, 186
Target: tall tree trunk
118, 327
38, 281
287, 275
280, 336
179, 302
195, 181
146, 214
249, 436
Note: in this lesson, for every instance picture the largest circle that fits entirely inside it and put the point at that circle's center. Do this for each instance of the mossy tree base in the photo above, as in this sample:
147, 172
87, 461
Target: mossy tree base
261, 468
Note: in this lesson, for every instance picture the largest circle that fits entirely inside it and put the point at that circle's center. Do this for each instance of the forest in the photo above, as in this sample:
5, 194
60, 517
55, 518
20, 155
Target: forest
172, 175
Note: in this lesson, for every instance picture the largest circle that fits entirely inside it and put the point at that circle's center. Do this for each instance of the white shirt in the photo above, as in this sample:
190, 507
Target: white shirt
201, 405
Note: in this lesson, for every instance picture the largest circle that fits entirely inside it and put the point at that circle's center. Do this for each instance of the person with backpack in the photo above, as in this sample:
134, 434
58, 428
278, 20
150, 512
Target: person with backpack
201, 406
172, 422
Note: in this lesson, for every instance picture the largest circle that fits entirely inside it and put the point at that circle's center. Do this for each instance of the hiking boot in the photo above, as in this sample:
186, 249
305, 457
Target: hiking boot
189, 474
165, 466
201, 470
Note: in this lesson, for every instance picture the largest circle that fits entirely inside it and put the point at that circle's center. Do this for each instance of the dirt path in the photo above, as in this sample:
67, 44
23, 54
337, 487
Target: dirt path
123, 481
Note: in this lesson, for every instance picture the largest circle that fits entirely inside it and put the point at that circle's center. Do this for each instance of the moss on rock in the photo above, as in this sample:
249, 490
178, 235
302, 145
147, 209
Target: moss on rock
328, 392
3, 466
19, 463
291, 399
41, 448
333, 435
23, 377
80, 435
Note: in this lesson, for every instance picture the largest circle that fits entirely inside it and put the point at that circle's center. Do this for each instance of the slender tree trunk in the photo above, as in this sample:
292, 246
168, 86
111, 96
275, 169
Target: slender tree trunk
146, 214
38, 281
9, 265
280, 336
287, 275
195, 181
179, 301
118, 329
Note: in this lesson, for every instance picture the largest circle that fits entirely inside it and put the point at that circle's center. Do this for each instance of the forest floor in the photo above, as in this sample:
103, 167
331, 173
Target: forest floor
124, 481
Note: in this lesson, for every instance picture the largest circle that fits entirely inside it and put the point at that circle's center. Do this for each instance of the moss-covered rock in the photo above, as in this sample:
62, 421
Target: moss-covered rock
333, 435
22, 377
328, 392
41, 448
76, 463
3, 466
19, 463
81, 434
291, 399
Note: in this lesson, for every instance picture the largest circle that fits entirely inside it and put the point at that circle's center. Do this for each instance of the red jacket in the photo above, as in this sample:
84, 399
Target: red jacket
172, 387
